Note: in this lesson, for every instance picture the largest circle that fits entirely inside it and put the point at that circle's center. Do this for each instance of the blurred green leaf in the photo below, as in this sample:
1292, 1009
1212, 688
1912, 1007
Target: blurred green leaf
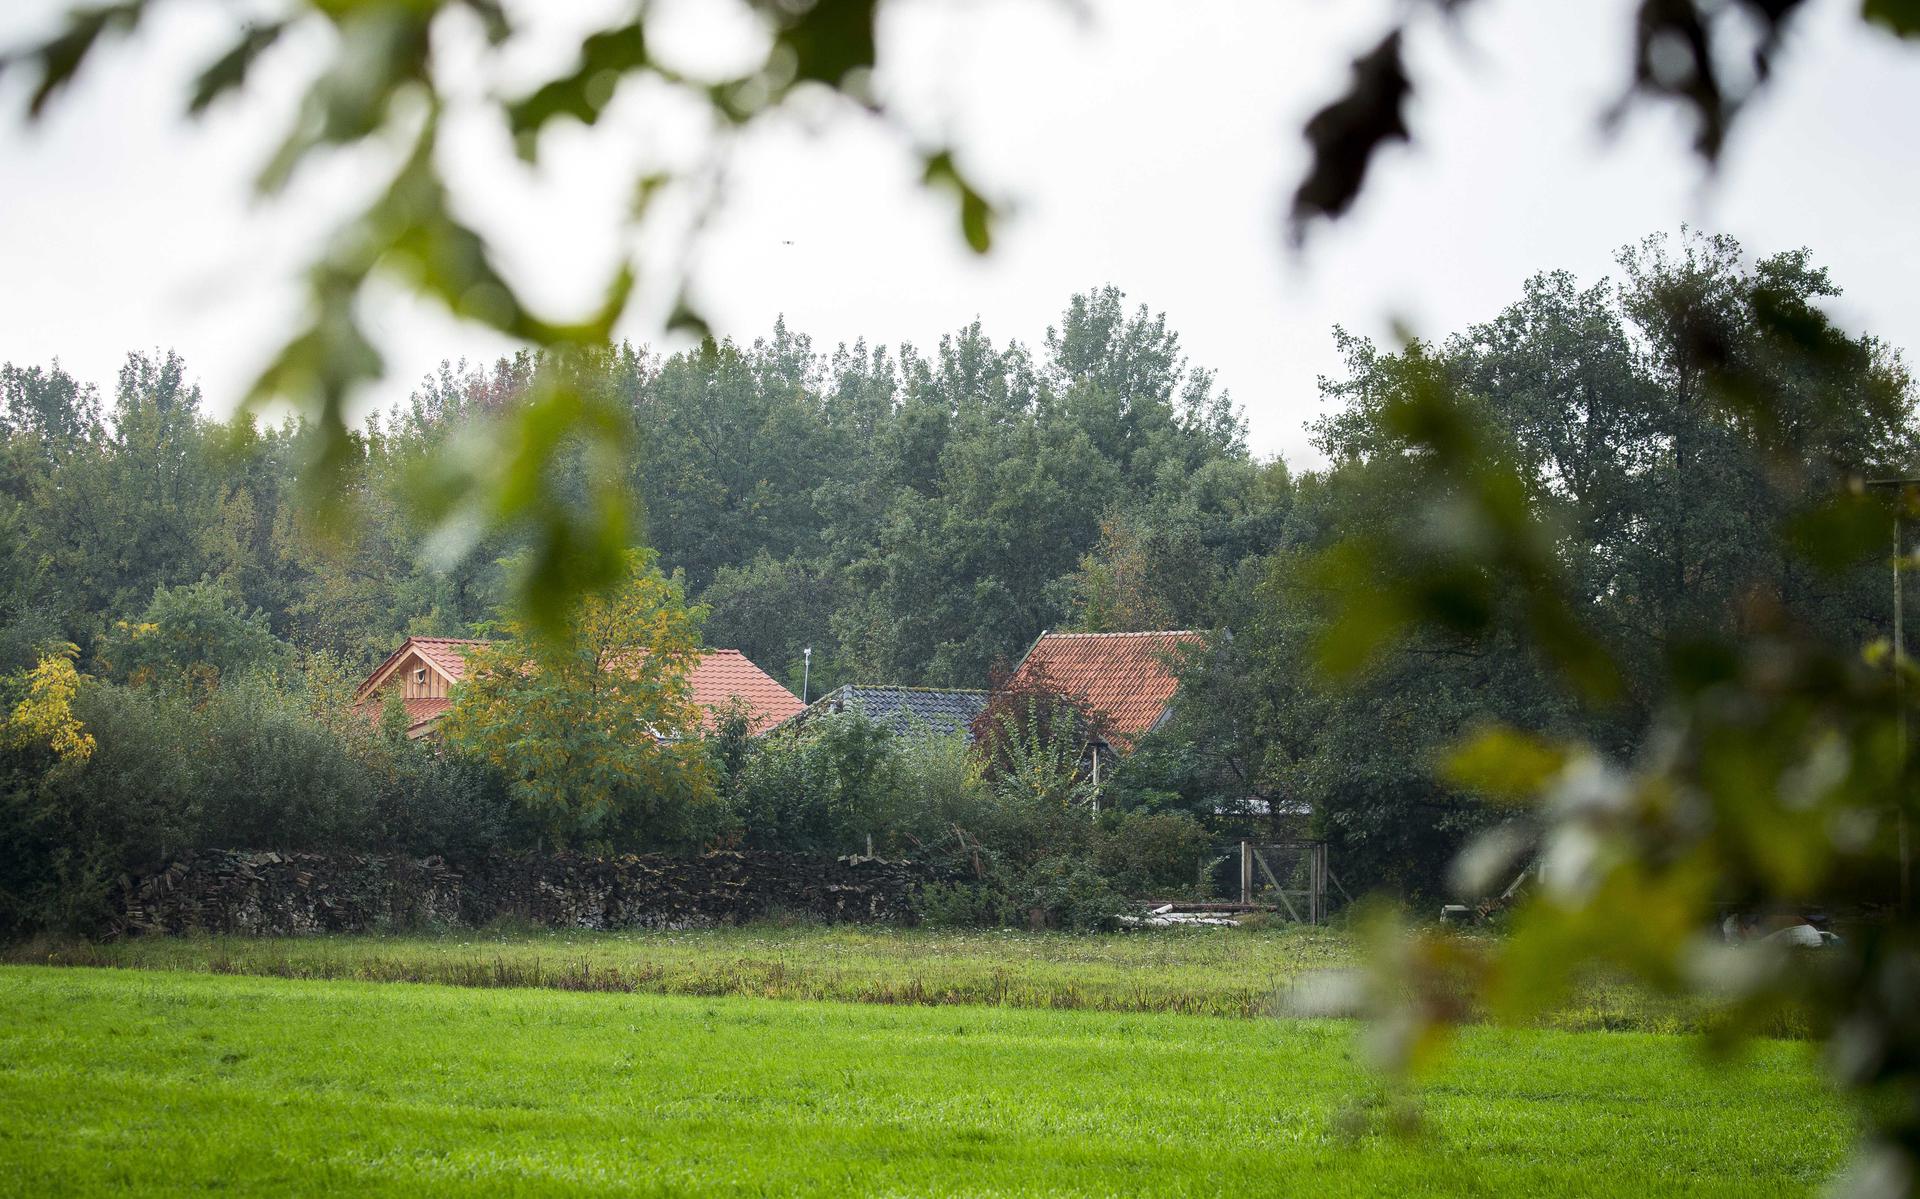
828, 38
384, 53
229, 71
1899, 16
1504, 763
584, 93
1842, 532
685, 318
60, 57
493, 18
976, 214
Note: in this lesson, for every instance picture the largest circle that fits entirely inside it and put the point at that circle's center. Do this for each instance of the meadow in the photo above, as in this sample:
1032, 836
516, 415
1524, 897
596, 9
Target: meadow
1247, 972
161, 1081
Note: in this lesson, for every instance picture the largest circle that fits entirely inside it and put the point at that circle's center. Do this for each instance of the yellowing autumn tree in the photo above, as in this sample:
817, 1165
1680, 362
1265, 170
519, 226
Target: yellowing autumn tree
595, 725
45, 715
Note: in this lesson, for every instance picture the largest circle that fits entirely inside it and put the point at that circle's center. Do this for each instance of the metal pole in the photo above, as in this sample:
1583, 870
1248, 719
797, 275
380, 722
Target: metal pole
1900, 709
1246, 873
1899, 488
806, 673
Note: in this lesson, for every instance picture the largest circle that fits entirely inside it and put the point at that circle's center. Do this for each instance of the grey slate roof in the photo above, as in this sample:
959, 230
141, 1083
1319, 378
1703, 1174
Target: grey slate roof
906, 711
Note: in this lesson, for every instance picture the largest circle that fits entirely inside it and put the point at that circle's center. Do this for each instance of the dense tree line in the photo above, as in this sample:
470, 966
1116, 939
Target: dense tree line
919, 517
914, 516
1625, 413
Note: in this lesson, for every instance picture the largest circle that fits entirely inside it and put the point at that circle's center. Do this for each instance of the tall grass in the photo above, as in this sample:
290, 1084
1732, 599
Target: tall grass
1244, 972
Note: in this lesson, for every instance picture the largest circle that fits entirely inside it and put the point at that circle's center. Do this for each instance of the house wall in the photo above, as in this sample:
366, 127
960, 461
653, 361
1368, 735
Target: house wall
407, 677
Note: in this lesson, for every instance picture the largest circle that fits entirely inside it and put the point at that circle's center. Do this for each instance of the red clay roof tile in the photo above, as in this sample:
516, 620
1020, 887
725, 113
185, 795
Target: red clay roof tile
1122, 676
723, 675
420, 712
717, 677
448, 653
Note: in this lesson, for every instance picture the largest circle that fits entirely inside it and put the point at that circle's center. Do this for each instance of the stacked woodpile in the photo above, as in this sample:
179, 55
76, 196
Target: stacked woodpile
670, 892
290, 893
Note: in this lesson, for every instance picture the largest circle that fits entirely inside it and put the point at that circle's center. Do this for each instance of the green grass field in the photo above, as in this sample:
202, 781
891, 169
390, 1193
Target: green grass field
156, 1081
1202, 971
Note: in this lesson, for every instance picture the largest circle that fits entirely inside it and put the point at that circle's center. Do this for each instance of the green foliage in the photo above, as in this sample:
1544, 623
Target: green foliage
1146, 853
823, 788
380, 86
1570, 493
1019, 834
190, 638
957, 905
594, 727
1750, 754
258, 763
914, 517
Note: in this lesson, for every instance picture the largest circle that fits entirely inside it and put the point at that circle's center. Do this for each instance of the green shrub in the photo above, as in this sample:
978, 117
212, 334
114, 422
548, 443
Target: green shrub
257, 765
272, 777
823, 788
191, 638
964, 905
429, 801
1067, 892
1148, 851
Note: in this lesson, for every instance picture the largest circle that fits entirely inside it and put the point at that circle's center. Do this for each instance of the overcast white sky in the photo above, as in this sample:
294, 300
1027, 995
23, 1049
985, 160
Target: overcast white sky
1150, 145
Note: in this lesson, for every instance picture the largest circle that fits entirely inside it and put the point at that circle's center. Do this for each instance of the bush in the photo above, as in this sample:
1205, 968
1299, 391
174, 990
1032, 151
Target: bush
823, 788
964, 905
272, 777
432, 802
258, 765
70, 827
1148, 851
191, 638
1068, 892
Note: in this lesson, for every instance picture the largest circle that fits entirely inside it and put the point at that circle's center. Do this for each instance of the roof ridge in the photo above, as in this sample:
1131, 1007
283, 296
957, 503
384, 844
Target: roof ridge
911, 687
1136, 633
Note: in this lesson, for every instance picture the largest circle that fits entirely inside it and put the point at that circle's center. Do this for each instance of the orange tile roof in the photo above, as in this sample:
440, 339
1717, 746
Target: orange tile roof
723, 675
448, 653
420, 712
1122, 676
716, 678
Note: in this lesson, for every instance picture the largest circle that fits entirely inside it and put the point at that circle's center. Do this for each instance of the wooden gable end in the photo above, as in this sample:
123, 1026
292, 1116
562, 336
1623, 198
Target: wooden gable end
413, 675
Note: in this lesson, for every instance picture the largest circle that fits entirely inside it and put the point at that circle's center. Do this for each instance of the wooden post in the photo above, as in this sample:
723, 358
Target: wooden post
1318, 874
1313, 883
1246, 872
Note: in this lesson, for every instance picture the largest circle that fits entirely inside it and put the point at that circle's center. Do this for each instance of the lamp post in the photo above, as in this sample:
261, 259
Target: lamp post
1899, 681
806, 673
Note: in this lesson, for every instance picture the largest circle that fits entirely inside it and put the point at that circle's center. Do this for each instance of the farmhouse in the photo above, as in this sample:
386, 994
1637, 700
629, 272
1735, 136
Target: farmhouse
905, 711
424, 670
1124, 681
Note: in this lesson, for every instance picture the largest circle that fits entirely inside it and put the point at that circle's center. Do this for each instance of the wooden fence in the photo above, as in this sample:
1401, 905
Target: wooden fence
1294, 878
